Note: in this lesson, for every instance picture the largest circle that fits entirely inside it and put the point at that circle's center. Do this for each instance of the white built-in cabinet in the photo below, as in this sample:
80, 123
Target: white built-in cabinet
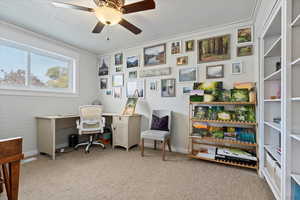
280, 98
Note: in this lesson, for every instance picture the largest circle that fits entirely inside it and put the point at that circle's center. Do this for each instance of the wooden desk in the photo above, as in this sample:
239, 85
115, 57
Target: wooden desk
10, 157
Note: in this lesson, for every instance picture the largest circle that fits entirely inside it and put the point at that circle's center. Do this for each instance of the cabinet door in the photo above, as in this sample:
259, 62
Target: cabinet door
121, 131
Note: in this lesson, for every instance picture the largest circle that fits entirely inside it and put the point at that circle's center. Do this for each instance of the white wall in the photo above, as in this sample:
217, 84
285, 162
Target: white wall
179, 104
17, 112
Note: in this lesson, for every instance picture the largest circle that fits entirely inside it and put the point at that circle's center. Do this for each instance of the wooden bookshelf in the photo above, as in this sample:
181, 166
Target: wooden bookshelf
223, 103
224, 141
224, 122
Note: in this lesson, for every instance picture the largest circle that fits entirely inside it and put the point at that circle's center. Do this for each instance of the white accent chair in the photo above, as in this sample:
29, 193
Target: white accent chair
91, 123
158, 135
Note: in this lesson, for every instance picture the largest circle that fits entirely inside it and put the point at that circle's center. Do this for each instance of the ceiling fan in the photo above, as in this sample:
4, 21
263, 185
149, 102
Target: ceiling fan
110, 12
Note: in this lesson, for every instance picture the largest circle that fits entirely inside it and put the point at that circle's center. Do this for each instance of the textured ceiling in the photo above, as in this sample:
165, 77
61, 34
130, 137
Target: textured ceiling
171, 17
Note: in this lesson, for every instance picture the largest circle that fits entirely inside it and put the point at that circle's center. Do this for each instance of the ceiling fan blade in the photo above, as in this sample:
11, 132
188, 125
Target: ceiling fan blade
130, 26
139, 6
67, 5
98, 28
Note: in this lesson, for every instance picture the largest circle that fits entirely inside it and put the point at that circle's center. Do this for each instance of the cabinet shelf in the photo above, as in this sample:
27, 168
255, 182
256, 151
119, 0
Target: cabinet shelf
274, 76
296, 137
224, 122
296, 21
273, 125
271, 183
272, 100
296, 178
210, 139
271, 150
296, 62
224, 103
275, 49
295, 99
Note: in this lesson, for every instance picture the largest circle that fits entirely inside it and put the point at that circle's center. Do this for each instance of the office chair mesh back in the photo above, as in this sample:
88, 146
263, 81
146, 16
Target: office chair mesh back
91, 117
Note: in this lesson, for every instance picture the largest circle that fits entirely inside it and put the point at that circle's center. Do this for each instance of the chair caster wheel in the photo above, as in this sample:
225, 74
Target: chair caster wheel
87, 152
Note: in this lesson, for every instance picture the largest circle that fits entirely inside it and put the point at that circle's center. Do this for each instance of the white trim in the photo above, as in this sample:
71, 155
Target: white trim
271, 183
31, 153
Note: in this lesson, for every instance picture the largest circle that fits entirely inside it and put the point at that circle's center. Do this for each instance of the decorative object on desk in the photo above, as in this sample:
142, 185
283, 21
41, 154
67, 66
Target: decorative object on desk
104, 64
118, 80
278, 65
186, 90
237, 68
240, 95
156, 72
135, 88
208, 86
119, 68
108, 92
153, 85
245, 51
168, 87
244, 35
176, 47
118, 92
103, 83
189, 45
132, 75
215, 71
132, 61
183, 60
155, 55
130, 106
118, 59
214, 49
187, 74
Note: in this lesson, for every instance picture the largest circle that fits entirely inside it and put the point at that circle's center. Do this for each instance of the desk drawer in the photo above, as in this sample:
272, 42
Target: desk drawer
120, 120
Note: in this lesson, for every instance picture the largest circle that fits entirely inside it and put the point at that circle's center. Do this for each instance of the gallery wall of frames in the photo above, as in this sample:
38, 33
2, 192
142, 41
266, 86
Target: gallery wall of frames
162, 73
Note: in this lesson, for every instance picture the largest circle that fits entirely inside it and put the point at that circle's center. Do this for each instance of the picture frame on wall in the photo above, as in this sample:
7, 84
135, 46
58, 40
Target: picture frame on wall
182, 60
168, 88
189, 45
244, 51
187, 74
119, 59
108, 92
244, 35
117, 92
214, 71
132, 75
214, 49
104, 63
155, 55
119, 68
186, 90
132, 61
135, 89
165, 71
103, 83
153, 85
176, 47
237, 68
118, 80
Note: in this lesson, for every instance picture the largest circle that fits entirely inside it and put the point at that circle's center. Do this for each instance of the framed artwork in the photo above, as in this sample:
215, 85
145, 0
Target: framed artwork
214, 49
155, 55
119, 68
237, 68
108, 92
187, 90
153, 85
189, 46
135, 89
119, 59
132, 75
132, 61
118, 92
215, 71
168, 87
103, 83
118, 80
176, 47
130, 106
183, 60
187, 74
244, 35
244, 50
104, 65
156, 72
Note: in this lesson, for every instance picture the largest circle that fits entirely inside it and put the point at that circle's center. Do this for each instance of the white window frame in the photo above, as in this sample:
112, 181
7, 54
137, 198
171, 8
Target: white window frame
29, 90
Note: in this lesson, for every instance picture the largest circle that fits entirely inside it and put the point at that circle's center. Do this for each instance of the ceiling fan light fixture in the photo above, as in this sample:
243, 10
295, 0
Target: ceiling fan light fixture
108, 15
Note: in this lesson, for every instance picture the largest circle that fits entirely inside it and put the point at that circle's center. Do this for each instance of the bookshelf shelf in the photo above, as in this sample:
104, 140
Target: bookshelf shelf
273, 125
275, 76
224, 122
296, 62
271, 183
224, 141
296, 178
296, 21
274, 154
223, 103
275, 49
296, 137
272, 100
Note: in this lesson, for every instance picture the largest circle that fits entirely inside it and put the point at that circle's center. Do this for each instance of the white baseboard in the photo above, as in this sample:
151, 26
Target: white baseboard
30, 153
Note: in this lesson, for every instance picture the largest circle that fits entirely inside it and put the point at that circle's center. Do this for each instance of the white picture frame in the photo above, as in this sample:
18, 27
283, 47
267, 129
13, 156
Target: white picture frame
153, 85
187, 74
241, 43
237, 68
176, 47
117, 80
135, 88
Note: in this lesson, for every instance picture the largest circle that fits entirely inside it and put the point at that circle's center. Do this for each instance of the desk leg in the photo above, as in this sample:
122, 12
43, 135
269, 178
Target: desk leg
1, 181
6, 181
14, 171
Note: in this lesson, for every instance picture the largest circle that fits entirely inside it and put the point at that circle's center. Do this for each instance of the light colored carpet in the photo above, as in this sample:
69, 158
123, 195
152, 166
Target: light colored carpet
121, 175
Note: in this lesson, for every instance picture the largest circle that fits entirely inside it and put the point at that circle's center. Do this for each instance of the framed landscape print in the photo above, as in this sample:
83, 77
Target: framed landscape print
214, 49
187, 74
215, 71
130, 106
244, 35
187, 90
189, 46
156, 72
183, 60
118, 80
155, 55
176, 47
104, 65
119, 59
245, 50
135, 89
132, 61
168, 87
103, 83
132, 74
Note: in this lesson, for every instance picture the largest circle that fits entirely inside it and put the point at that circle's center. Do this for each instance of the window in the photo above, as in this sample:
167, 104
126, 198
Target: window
25, 68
